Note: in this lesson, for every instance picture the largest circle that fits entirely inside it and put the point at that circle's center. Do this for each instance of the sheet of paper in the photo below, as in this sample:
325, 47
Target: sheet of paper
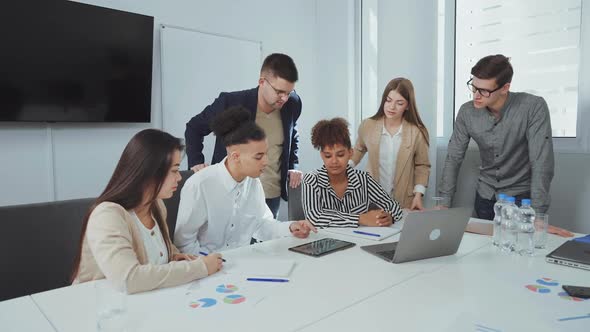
259, 267
371, 233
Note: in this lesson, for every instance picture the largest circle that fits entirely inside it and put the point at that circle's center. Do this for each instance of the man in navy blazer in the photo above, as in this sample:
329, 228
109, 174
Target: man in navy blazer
276, 107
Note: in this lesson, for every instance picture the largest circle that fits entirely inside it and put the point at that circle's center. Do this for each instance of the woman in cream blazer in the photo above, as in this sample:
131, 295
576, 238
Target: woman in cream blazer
397, 142
124, 237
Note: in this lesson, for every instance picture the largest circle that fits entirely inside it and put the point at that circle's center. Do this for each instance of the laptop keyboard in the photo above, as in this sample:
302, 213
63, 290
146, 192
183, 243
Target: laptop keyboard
388, 254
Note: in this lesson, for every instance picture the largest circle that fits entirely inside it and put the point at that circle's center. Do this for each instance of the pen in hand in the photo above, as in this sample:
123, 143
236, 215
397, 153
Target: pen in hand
206, 254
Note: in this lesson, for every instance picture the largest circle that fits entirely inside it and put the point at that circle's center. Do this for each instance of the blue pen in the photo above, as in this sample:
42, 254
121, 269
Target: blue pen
267, 279
206, 254
366, 233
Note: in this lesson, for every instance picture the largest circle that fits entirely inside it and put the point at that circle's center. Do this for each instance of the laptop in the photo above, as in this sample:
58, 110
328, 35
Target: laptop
425, 235
572, 253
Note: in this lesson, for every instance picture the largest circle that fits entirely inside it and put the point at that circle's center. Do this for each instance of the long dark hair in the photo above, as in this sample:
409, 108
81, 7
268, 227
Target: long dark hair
405, 88
142, 169
235, 125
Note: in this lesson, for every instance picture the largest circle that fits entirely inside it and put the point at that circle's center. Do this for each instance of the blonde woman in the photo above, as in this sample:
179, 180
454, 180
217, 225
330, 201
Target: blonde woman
397, 142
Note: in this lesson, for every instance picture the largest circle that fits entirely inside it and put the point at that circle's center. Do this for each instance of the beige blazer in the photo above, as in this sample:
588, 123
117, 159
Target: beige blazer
412, 165
113, 248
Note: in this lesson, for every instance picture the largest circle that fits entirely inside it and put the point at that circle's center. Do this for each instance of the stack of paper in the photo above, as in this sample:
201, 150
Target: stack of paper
371, 233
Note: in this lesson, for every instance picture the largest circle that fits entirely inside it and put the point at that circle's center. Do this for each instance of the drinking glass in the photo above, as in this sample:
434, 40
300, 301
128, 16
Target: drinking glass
541, 226
439, 202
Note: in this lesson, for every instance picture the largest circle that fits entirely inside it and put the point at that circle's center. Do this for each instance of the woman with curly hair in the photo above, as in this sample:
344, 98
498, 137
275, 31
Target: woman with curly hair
338, 195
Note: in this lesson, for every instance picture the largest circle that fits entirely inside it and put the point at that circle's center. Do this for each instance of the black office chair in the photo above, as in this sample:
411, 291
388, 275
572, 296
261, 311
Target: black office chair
38, 245
173, 202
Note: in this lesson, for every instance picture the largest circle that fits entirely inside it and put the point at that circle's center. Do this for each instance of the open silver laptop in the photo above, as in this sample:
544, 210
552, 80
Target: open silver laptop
425, 235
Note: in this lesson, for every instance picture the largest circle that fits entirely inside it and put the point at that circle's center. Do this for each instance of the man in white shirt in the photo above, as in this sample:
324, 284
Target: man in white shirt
223, 206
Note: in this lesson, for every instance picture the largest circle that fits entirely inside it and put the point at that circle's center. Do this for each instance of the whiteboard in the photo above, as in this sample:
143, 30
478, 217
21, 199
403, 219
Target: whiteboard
196, 67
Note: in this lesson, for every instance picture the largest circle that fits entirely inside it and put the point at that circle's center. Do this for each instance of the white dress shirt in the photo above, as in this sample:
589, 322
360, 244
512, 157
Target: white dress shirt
388, 149
153, 242
217, 213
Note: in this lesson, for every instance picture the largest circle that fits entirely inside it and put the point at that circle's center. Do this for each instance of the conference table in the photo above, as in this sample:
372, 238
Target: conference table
486, 291
477, 289
22, 314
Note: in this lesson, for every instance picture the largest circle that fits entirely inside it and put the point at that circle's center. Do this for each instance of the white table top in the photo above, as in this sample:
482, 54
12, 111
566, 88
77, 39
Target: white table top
21, 314
318, 287
351, 290
486, 291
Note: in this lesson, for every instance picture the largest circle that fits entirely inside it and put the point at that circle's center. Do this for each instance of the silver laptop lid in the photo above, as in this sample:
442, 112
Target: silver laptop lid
425, 235
571, 253
431, 234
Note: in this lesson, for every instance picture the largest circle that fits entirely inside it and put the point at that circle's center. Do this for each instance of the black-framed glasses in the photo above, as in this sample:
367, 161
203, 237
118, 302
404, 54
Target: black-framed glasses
483, 92
280, 93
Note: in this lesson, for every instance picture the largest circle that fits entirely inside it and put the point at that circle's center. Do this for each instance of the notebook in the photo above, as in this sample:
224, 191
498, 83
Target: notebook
585, 239
369, 233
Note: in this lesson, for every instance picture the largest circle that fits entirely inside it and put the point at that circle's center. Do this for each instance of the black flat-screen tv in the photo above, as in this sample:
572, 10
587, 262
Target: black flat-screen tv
63, 61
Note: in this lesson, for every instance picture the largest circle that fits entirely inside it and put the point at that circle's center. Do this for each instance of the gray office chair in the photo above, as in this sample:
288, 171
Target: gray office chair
295, 208
38, 245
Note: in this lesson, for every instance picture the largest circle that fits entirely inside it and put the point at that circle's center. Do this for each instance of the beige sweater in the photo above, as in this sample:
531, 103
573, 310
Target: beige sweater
113, 248
412, 164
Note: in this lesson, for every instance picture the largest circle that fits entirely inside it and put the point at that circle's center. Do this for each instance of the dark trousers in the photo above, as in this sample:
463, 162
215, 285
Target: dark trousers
484, 208
274, 204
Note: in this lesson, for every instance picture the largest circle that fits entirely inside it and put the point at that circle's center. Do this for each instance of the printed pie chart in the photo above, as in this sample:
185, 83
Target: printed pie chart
226, 288
234, 299
203, 303
547, 282
538, 289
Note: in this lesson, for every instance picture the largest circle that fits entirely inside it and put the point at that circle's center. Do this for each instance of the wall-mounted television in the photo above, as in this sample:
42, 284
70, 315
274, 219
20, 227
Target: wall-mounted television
63, 61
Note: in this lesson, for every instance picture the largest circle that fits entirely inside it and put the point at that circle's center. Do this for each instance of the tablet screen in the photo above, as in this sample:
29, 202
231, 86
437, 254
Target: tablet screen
322, 247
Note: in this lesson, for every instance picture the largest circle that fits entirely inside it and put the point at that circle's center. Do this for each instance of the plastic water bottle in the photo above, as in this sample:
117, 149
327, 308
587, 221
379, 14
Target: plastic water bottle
509, 226
525, 244
497, 236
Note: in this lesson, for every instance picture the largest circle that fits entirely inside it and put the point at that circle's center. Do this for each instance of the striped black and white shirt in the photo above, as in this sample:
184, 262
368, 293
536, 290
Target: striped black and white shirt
323, 208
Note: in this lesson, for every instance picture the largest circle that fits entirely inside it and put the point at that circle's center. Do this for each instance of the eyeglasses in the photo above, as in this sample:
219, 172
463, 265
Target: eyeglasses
483, 92
279, 93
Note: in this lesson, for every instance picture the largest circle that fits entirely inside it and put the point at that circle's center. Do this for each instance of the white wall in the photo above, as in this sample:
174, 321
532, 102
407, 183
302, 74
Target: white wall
334, 48
407, 42
42, 162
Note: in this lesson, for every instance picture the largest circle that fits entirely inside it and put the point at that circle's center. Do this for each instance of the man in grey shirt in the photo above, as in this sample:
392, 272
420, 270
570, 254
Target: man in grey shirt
513, 133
